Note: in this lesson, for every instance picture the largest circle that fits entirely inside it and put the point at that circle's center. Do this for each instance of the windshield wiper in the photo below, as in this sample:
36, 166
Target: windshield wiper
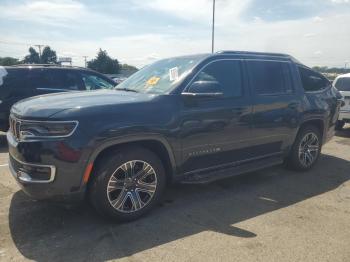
126, 89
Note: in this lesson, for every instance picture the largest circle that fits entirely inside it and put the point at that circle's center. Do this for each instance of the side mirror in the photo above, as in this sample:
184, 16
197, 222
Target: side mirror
204, 88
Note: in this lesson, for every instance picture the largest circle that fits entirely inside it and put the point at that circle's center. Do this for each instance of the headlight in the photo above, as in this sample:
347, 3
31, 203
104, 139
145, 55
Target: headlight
49, 129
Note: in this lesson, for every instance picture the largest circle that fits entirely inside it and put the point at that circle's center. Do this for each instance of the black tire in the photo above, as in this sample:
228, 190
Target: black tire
294, 161
105, 168
339, 125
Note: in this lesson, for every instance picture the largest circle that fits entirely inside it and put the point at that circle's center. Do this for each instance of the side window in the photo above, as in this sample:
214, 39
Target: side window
93, 82
71, 81
343, 84
35, 79
15, 84
14, 78
224, 76
58, 79
311, 80
270, 77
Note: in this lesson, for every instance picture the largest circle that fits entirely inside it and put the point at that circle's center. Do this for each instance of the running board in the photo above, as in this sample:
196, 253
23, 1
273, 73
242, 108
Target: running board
207, 177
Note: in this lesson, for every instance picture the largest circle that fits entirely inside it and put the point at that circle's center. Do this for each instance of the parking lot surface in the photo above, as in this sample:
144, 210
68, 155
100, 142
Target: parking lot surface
271, 215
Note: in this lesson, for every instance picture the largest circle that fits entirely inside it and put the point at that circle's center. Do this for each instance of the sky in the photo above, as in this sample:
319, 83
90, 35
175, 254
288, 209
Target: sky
138, 32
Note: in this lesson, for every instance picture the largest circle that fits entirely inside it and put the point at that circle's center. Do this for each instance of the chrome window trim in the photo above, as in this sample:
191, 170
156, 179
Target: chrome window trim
56, 89
37, 121
28, 179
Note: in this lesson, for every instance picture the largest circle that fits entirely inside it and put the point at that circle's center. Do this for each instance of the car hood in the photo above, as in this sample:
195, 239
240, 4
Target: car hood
47, 105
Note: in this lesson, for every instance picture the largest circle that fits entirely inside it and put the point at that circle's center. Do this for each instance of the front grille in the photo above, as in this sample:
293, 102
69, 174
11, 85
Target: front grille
15, 125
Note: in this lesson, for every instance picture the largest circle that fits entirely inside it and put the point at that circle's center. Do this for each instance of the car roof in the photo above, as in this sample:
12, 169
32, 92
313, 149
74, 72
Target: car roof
252, 54
343, 76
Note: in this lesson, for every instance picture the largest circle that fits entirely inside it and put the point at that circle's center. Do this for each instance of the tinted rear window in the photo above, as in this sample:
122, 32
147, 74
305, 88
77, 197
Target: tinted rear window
60, 79
15, 78
311, 80
270, 77
343, 84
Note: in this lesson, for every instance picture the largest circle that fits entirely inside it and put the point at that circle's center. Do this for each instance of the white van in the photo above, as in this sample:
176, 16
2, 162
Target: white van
342, 83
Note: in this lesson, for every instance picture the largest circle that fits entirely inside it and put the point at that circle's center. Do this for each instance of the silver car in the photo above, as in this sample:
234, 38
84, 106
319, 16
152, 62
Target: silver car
342, 83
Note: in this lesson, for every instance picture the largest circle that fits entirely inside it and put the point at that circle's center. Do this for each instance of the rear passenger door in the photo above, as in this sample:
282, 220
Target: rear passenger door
276, 104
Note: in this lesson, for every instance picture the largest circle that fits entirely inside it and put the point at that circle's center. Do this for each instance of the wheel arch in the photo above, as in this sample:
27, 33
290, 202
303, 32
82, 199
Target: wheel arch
316, 122
156, 144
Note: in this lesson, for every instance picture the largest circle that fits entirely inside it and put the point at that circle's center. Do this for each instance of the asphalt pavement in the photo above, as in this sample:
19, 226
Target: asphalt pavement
270, 215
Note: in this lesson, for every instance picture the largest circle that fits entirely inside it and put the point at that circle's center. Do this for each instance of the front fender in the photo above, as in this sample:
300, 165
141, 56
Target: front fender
132, 139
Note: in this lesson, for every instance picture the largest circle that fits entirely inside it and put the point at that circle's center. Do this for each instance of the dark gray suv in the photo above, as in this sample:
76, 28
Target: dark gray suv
188, 119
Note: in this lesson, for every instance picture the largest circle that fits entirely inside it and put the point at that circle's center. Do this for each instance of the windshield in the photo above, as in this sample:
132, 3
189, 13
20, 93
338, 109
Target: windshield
161, 77
343, 84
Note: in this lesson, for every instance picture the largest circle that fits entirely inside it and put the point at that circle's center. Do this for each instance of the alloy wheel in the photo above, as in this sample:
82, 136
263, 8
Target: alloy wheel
308, 149
132, 186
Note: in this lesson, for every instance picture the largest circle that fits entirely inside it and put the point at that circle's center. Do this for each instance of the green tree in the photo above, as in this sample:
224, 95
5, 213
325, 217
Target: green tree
33, 57
104, 64
8, 61
48, 56
333, 70
127, 70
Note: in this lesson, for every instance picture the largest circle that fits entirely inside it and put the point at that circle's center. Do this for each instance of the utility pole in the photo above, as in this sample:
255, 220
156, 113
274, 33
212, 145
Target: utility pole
85, 56
213, 28
39, 46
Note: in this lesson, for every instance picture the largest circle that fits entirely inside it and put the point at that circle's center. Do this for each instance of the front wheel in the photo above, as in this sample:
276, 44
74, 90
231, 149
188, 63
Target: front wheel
306, 149
127, 184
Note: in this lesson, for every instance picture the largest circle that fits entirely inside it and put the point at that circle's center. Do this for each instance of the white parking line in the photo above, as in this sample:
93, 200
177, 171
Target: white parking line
4, 165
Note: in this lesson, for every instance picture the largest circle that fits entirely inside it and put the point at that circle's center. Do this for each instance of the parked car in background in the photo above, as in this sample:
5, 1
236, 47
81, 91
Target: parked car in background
342, 83
116, 77
22, 81
190, 119
119, 80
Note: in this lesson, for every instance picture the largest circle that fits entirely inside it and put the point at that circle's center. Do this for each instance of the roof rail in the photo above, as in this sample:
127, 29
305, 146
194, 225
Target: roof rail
49, 65
38, 65
251, 53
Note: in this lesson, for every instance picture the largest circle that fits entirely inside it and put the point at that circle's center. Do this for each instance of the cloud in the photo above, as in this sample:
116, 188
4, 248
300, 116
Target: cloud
64, 13
340, 1
317, 19
198, 11
189, 31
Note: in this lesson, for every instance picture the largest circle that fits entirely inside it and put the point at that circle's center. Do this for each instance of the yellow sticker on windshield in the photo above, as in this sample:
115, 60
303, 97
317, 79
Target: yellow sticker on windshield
153, 81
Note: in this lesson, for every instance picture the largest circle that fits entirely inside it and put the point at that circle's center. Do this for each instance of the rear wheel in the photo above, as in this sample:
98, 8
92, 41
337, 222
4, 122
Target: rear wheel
306, 149
128, 184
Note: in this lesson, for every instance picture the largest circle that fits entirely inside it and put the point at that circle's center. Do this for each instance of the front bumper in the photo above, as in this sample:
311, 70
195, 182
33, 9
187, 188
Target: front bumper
48, 169
31, 173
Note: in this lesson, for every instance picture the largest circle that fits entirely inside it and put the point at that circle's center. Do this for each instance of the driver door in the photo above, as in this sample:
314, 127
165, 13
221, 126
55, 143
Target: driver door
216, 117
